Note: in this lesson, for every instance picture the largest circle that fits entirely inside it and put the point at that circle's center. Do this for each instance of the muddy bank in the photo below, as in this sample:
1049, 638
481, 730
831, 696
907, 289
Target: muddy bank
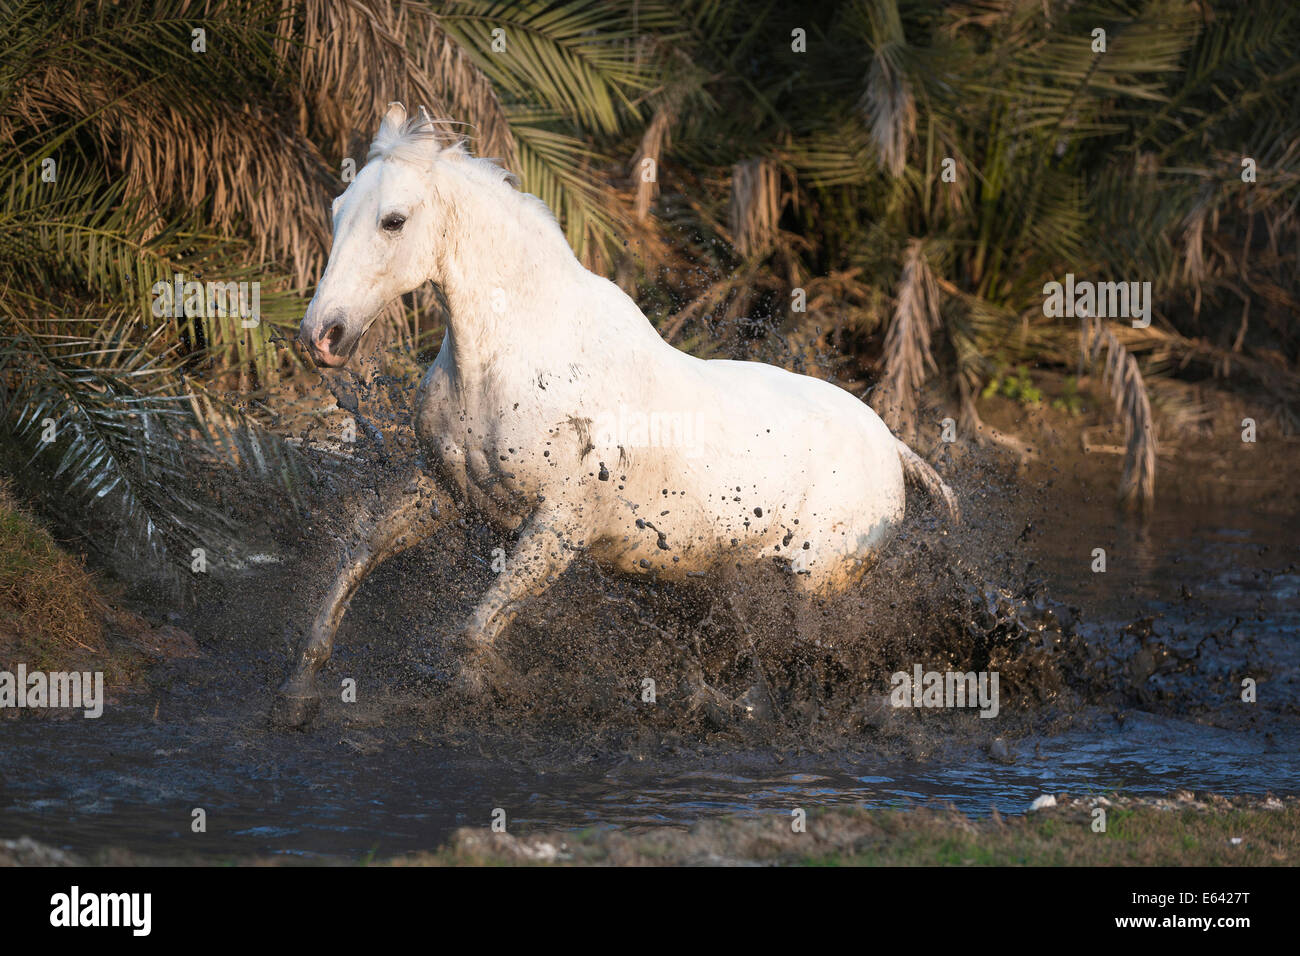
57, 616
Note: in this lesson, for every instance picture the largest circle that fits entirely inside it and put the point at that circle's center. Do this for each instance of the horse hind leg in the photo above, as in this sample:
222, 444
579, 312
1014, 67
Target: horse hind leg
418, 513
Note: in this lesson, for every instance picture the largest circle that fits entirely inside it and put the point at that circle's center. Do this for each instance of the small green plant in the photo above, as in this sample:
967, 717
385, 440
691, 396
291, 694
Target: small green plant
1070, 401
1018, 386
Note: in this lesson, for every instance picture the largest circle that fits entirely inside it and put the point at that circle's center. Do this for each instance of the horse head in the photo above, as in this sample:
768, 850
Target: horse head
384, 227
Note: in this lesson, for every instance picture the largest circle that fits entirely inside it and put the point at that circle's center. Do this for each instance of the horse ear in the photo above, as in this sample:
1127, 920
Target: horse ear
393, 118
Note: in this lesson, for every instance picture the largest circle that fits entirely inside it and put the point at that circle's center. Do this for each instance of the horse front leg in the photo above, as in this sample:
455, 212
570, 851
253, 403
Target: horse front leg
540, 556
417, 513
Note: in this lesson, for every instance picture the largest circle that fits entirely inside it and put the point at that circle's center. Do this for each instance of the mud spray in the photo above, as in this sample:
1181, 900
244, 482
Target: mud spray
643, 666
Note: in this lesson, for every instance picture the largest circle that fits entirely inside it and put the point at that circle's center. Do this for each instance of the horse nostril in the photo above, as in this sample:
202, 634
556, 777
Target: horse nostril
329, 339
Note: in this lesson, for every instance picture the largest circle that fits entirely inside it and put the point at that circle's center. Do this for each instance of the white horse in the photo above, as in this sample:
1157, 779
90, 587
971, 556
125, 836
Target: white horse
556, 413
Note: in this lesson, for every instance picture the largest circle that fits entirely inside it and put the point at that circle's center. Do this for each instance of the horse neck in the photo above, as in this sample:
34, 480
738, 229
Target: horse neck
508, 276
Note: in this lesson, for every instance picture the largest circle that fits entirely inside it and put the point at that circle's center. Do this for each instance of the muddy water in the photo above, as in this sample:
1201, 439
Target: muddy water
1191, 603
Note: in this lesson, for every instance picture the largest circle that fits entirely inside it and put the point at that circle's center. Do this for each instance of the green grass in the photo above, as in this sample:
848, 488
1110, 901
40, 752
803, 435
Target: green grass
1140, 834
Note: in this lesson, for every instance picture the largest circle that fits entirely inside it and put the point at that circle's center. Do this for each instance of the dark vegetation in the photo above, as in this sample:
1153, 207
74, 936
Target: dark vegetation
797, 211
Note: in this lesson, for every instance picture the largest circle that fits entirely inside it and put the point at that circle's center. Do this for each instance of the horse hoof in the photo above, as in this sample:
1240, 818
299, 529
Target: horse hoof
293, 712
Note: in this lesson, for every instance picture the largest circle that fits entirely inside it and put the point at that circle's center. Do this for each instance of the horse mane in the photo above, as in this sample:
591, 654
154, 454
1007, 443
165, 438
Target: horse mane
414, 141
417, 141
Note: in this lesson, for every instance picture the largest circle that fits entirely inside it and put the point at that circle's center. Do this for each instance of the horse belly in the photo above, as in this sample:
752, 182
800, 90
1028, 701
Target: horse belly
823, 505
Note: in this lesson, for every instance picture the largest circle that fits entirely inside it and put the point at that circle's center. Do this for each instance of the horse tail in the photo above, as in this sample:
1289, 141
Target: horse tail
919, 472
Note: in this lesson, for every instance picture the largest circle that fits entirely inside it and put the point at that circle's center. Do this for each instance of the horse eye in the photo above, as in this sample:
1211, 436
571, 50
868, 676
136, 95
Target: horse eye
393, 222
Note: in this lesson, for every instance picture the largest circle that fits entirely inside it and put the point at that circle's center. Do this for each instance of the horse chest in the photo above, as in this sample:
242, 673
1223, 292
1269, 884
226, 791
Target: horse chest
491, 468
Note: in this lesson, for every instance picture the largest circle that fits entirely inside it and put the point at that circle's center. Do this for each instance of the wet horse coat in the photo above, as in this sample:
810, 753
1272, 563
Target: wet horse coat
556, 412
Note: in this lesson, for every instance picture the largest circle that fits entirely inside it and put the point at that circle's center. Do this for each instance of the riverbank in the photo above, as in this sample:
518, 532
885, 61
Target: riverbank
58, 616
1114, 830
1182, 829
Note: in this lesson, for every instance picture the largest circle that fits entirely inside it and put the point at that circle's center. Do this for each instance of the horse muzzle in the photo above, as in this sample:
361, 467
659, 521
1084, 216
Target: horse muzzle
327, 341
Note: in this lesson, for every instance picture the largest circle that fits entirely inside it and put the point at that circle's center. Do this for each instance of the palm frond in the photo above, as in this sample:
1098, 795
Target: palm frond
755, 206
121, 430
1122, 376
908, 358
